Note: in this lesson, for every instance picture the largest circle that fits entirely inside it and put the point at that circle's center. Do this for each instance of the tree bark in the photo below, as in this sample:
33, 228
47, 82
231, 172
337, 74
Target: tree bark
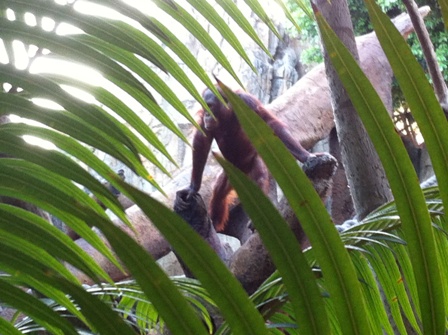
341, 203
365, 174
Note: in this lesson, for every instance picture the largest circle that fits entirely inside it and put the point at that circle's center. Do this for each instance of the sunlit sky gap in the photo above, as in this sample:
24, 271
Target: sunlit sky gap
52, 65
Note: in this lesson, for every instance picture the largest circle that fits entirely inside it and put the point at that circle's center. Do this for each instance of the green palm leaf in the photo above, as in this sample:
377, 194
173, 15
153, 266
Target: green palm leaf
285, 251
401, 175
308, 208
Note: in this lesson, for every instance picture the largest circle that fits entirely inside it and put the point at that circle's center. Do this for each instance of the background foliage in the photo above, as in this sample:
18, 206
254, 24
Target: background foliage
362, 25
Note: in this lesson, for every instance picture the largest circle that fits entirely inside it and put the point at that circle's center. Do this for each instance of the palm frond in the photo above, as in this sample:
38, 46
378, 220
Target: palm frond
128, 300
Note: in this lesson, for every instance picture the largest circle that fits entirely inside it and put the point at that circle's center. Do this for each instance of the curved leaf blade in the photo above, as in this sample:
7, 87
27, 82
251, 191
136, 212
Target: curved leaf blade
66, 46
35, 309
146, 73
70, 147
222, 286
8, 329
118, 33
41, 87
29, 182
401, 175
36, 230
69, 124
233, 11
330, 253
210, 14
258, 9
286, 253
158, 287
190, 23
59, 164
418, 93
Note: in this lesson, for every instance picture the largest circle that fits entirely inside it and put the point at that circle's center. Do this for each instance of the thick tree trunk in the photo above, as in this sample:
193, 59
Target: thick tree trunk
366, 177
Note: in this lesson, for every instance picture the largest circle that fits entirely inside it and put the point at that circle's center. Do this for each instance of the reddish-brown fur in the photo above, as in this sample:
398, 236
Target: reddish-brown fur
236, 148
